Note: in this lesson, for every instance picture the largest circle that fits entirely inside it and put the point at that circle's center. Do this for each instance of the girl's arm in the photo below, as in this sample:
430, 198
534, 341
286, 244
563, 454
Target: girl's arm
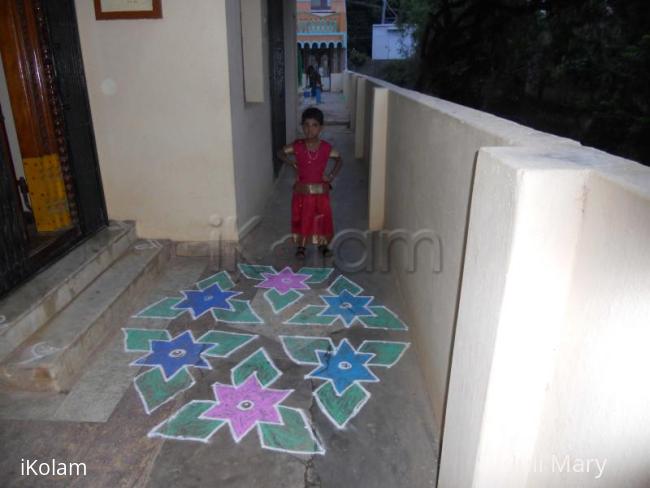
284, 153
338, 162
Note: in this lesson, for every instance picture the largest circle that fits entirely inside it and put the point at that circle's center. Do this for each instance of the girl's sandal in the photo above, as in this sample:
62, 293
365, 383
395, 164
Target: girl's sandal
325, 251
300, 252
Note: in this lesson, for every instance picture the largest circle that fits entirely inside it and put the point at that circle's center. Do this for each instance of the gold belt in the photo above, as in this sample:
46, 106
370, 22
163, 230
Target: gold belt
311, 188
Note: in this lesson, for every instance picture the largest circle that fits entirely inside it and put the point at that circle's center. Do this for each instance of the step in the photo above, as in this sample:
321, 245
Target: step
33, 304
53, 358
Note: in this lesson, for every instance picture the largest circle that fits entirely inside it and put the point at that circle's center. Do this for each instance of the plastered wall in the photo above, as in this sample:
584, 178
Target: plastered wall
160, 102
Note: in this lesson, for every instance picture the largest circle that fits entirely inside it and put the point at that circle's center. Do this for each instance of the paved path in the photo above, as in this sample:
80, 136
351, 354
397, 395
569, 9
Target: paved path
361, 420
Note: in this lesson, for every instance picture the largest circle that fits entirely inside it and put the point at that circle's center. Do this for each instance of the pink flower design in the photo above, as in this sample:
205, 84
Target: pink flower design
285, 281
245, 405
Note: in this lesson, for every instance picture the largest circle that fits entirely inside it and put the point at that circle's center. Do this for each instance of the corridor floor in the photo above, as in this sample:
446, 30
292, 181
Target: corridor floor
264, 372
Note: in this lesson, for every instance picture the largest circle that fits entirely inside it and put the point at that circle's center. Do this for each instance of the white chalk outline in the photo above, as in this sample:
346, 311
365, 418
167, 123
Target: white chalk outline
239, 265
333, 353
217, 402
407, 344
139, 315
357, 318
268, 300
126, 329
144, 403
36, 355
355, 411
308, 427
329, 273
152, 433
290, 355
199, 287
288, 321
250, 307
251, 338
191, 310
185, 366
390, 312
268, 358
3, 322
341, 277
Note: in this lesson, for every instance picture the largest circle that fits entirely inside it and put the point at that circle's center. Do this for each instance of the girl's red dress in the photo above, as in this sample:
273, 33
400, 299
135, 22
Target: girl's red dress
311, 214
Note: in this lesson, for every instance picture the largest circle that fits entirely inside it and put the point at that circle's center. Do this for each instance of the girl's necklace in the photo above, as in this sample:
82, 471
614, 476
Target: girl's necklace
310, 152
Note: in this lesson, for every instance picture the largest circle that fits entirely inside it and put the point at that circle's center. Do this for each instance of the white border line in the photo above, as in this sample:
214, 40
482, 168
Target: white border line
250, 307
212, 276
239, 265
356, 410
139, 315
152, 433
125, 335
268, 300
390, 312
286, 351
329, 273
266, 355
288, 321
308, 427
407, 344
144, 403
341, 277
251, 338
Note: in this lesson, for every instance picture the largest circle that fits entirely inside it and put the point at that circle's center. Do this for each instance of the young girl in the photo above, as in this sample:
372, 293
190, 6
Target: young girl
311, 214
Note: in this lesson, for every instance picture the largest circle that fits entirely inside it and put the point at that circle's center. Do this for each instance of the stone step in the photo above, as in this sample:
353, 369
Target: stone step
53, 358
36, 302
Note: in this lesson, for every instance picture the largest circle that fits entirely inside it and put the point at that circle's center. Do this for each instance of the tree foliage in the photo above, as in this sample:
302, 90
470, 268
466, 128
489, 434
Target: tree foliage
580, 68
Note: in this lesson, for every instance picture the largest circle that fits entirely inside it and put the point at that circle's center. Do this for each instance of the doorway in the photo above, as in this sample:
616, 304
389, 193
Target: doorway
50, 188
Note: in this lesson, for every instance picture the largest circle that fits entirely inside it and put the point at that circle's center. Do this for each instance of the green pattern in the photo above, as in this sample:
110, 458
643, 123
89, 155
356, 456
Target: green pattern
137, 340
385, 319
155, 391
222, 278
186, 424
386, 353
278, 301
318, 275
340, 409
243, 313
294, 436
224, 342
162, 309
259, 363
309, 316
342, 283
303, 349
254, 271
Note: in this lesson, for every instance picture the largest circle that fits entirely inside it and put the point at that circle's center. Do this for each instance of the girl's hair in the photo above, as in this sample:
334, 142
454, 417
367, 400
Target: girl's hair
312, 113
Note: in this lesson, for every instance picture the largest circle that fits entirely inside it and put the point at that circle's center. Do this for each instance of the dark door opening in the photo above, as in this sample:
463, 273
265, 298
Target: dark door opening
51, 195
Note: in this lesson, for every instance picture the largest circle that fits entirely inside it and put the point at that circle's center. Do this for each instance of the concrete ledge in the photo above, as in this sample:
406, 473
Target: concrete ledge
37, 301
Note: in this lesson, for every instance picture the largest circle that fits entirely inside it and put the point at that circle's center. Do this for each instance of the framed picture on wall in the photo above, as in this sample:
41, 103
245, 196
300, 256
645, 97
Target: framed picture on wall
128, 9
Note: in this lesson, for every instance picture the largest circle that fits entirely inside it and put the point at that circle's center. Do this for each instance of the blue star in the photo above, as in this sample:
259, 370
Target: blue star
347, 306
343, 367
175, 354
199, 302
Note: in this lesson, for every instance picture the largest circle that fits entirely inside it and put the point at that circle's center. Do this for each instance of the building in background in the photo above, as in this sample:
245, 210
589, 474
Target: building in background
390, 41
322, 40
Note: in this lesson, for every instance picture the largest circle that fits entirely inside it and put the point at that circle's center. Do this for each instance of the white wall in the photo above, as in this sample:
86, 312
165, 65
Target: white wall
543, 293
251, 124
160, 102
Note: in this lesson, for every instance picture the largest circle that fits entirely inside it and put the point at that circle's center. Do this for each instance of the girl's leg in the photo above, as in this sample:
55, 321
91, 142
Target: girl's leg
317, 95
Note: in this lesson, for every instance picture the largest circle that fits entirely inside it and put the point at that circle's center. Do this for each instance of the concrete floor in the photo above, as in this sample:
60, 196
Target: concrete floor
391, 442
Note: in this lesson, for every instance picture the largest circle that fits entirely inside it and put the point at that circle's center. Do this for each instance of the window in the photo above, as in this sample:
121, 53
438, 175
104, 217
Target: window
320, 4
